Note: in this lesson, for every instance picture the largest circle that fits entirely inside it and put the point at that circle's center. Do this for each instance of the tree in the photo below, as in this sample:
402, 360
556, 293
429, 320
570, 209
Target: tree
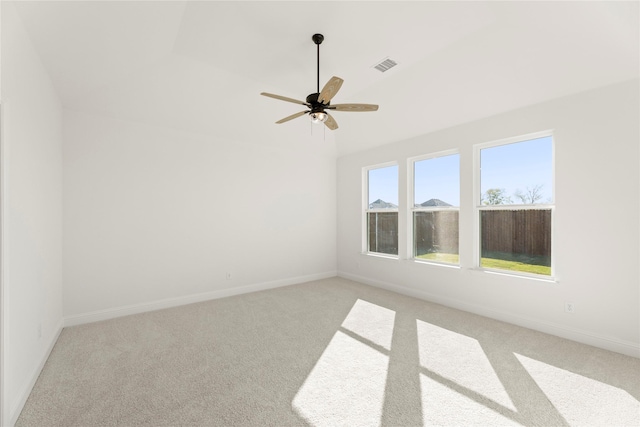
495, 196
531, 195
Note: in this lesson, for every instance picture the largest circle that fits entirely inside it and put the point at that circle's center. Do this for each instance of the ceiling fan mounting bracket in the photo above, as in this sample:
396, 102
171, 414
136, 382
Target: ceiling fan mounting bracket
317, 38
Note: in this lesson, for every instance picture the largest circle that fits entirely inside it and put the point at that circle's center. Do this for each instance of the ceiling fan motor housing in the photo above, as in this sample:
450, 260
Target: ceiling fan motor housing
316, 106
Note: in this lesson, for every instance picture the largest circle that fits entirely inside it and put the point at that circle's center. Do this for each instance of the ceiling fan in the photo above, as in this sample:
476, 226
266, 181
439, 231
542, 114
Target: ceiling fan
319, 102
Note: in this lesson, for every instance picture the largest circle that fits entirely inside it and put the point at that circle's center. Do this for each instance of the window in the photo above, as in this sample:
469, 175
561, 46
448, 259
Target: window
382, 210
515, 204
436, 206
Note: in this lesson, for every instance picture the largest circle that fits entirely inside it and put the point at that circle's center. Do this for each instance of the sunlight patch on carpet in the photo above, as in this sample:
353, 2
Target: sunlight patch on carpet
371, 322
582, 400
347, 384
461, 360
443, 406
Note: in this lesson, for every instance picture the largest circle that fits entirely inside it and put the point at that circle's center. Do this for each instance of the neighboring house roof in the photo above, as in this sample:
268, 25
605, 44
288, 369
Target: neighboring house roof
434, 202
381, 204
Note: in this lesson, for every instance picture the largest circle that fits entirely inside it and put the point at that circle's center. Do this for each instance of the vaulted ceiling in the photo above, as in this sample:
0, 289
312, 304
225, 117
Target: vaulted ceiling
201, 65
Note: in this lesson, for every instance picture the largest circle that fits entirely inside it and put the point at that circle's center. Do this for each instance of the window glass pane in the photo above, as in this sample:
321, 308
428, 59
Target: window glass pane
436, 235
516, 240
437, 182
382, 227
436, 189
518, 173
383, 232
383, 188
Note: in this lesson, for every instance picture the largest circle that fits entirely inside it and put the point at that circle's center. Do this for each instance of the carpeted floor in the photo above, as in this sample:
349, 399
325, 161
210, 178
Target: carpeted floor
327, 353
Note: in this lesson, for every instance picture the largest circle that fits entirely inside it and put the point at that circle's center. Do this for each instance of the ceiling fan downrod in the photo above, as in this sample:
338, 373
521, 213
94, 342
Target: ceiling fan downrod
317, 39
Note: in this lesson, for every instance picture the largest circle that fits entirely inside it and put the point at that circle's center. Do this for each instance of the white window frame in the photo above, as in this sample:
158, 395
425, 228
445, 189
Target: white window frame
478, 207
411, 184
367, 211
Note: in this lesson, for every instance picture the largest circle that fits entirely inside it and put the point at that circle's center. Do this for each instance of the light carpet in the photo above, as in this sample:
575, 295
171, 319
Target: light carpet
327, 353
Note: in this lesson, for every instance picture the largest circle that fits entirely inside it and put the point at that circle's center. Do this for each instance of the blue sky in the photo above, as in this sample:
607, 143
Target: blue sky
383, 184
518, 166
510, 167
438, 178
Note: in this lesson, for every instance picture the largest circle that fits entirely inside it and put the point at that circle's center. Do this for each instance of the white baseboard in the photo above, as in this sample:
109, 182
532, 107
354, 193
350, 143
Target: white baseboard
607, 343
112, 313
15, 411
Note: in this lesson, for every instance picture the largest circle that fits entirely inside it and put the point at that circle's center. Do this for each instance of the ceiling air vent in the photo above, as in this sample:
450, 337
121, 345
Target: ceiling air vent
385, 65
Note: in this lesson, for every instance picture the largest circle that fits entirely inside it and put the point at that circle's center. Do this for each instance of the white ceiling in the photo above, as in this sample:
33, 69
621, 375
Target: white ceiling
200, 65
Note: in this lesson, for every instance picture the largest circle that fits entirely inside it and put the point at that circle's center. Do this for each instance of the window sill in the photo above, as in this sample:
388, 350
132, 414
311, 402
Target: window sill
546, 279
436, 263
382, 256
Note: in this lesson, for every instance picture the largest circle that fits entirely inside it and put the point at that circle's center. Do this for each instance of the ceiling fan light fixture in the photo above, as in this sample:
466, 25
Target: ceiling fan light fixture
319, 117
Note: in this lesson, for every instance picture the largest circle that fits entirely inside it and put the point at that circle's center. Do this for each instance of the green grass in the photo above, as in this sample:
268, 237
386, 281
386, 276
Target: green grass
515, 266
500, 261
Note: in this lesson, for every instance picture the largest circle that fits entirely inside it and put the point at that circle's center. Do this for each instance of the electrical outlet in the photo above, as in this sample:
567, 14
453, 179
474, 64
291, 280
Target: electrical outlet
569, 307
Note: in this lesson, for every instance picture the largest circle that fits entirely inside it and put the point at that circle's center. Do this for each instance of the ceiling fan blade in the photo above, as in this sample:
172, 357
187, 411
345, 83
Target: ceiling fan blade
330, 89
284, 98
291, 117
331, 123
354, 107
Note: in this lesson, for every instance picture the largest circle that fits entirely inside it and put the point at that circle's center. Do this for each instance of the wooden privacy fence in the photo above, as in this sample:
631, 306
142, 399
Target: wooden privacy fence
436, 231
525, 231
383, 232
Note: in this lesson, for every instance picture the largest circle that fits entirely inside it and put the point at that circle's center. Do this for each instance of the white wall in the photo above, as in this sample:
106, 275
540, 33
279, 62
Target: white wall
155, 217
32, 163
596, 242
